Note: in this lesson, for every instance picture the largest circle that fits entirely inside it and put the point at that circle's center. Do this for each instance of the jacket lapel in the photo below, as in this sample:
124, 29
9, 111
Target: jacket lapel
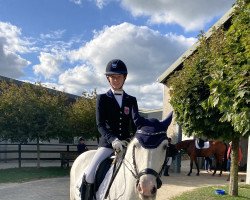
111, 95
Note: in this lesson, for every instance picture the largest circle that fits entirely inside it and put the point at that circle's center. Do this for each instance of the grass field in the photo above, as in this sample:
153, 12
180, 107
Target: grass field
31, 173
208, 193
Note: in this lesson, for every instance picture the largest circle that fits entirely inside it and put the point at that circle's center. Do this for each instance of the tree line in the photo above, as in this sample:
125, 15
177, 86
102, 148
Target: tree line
34, 113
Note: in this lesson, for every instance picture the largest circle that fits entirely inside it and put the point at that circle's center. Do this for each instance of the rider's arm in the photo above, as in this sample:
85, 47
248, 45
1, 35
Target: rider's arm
138, 120
102, 126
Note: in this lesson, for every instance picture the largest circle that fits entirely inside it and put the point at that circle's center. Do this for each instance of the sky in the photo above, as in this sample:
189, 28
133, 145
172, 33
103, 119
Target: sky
66, 44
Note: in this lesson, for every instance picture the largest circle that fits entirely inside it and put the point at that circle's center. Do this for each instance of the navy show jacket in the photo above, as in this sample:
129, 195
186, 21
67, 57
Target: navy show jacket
112, 121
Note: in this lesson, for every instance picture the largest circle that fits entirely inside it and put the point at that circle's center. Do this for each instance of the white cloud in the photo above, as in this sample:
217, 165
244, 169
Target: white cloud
78, 79
50, 65
148, 95
190, 14
146, 52
77, 2
57, 34
11, 46
99, 3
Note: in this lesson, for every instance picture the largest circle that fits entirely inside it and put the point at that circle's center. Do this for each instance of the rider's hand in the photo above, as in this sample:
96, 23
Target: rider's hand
117, 145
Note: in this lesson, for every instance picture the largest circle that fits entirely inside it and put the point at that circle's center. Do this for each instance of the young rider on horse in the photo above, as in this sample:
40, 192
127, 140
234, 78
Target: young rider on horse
113, 117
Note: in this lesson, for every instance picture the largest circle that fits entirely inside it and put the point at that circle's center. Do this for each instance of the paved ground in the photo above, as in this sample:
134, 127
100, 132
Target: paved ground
175, 184
58, 188
46, 189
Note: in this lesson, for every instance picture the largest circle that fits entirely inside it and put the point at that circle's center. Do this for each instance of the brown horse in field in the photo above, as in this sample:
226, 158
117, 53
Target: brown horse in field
216, 148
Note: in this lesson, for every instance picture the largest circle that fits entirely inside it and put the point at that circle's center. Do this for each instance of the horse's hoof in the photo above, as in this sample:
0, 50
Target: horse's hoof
188, 174
197, 174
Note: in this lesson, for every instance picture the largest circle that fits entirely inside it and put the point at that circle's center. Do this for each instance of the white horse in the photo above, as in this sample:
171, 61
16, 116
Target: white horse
125, 185
138, 178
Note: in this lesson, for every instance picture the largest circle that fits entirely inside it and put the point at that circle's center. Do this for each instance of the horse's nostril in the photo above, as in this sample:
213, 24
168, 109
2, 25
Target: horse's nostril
153, 191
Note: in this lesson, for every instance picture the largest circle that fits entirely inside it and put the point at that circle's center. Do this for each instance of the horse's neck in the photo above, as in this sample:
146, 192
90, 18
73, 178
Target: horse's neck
124, 183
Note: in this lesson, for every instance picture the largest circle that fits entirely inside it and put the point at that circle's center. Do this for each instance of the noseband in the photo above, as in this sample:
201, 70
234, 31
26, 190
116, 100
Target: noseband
146, 171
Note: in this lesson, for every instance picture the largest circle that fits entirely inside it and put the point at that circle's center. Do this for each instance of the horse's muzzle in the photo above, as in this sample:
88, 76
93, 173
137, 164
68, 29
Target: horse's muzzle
152, 172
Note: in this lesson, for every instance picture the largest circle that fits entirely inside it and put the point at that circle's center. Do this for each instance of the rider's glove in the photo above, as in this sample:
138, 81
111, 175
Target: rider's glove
117, 145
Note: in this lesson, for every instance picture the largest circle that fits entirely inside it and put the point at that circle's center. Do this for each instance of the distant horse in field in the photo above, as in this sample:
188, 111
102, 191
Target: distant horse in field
216, 148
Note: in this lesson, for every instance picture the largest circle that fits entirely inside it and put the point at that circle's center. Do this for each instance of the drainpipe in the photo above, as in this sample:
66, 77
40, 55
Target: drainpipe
177, 162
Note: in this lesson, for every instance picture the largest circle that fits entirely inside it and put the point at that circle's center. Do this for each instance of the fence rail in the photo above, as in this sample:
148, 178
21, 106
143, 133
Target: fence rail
27, 152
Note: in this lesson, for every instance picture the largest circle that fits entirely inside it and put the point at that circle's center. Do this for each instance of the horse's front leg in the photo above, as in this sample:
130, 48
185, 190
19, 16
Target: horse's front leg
215, 168
221, 167
197, 167
191, 166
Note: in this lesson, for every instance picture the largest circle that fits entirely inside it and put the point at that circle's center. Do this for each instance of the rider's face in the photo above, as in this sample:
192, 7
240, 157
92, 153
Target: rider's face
116, 81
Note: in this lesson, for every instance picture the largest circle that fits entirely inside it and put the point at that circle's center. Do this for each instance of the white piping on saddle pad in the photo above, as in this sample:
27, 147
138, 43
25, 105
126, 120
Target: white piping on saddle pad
206, 145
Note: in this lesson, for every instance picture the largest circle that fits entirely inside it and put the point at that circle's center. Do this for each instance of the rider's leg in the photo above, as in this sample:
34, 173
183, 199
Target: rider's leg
89, 174
169, 162
166, 170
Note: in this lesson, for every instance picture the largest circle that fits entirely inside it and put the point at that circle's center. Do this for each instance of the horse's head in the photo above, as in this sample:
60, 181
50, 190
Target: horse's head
148, 155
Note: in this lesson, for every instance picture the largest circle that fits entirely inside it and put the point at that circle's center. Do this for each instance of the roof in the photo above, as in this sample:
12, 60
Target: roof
71, 97
179, 62
150, 110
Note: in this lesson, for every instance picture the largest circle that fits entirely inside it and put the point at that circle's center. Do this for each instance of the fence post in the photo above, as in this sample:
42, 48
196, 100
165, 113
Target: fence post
68, 151
19, 155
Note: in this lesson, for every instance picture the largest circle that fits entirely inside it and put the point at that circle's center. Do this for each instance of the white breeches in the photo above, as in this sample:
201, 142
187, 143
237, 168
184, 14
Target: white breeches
100, 155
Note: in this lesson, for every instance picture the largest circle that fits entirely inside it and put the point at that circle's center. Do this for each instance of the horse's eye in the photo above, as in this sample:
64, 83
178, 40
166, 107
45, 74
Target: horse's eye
165, 146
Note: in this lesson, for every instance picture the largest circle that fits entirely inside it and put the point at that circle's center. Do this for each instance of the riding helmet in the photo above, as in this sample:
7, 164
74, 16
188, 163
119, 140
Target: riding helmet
116, 66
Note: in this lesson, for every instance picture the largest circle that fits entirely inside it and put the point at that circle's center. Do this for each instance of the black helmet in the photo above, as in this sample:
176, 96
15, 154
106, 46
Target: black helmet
116, 66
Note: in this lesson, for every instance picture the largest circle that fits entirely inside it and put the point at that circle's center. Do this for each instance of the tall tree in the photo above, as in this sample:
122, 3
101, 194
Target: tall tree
210, 95
229, 81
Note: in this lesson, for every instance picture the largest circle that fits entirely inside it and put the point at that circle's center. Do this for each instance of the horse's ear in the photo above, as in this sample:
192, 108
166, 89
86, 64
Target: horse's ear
167, 121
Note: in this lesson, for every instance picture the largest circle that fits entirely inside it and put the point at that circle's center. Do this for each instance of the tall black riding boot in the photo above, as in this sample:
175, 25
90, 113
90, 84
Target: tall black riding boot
86, 190
166, 170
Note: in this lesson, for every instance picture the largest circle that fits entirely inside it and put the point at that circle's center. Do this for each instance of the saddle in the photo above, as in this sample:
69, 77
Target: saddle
201, 144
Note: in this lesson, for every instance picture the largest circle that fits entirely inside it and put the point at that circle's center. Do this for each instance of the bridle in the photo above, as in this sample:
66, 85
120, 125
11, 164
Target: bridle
134, 170
145, 171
